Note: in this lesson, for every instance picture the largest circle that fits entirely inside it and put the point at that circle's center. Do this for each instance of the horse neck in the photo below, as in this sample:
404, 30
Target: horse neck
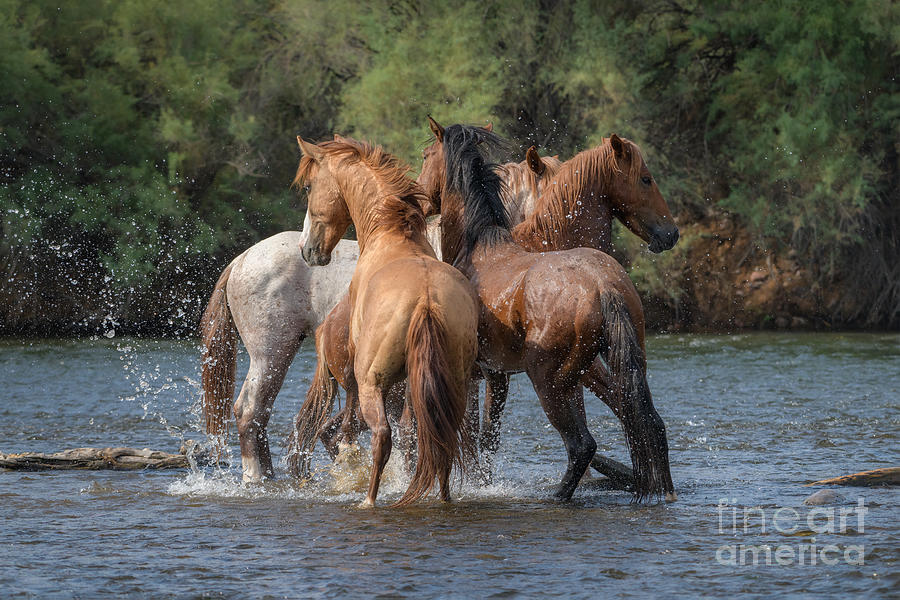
366, 200
573, 212
453, 235
452, 225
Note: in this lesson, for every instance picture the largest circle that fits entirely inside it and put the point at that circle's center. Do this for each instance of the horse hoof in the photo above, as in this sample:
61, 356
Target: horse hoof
562, 496
366, 504
671, 497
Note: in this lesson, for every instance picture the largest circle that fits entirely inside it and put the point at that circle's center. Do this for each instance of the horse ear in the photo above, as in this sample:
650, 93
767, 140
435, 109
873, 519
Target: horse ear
436, 129
617, 144
489, 127
534, 161
309, 149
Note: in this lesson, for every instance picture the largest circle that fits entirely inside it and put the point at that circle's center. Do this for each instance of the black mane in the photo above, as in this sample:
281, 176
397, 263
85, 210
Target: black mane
472, 176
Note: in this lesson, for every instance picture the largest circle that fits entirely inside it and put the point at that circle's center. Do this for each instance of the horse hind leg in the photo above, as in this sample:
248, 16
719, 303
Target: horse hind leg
597, 379
406, 426
371, 403
562, 399
331, 434
568, 419
496, 390
253, 410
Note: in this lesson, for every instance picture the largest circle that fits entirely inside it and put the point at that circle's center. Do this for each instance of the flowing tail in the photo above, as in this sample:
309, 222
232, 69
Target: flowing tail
219, 358
313, 414
645, 431
438, 402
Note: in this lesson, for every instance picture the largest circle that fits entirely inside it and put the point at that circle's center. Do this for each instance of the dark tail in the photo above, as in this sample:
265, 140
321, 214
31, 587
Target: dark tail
438, 402
219, 358
313, 414
645, 431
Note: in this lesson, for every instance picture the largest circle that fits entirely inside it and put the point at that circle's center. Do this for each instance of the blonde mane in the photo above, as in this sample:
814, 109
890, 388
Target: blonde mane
523, 185
402, 202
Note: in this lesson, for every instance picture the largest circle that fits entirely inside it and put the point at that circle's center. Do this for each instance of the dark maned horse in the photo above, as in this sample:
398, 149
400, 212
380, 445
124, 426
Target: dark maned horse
575, 208
549, 314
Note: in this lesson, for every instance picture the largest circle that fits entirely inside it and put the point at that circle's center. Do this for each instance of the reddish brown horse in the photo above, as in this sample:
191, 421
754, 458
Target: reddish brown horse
411, 316
575, 208
548, 314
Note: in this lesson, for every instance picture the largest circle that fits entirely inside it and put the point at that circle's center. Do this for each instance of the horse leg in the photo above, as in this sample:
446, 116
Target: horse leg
496, 389
332, 434
406, 428
371, 403
351, 425
562, 399
253, 409
480, 472
597, 379
471, 418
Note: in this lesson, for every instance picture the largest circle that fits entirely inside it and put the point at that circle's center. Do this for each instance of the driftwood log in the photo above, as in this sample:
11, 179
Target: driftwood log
121, 459
886, 476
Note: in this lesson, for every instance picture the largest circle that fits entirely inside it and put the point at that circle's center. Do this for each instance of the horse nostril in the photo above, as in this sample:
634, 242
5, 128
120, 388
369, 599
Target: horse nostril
675, 236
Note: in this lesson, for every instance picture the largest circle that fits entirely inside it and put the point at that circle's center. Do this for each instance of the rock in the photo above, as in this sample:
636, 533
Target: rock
824, 497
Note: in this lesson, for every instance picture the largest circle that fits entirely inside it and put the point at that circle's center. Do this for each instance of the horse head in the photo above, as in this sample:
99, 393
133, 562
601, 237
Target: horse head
636, 199
327, 215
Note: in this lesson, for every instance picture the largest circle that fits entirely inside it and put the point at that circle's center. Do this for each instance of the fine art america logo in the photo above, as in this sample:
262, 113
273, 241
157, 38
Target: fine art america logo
736, 520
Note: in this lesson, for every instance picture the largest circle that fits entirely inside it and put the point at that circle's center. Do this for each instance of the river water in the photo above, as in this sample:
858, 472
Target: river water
751, 418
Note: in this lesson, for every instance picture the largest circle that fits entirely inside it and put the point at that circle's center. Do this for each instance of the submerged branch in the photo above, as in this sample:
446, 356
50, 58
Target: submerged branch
876, 477
120, 459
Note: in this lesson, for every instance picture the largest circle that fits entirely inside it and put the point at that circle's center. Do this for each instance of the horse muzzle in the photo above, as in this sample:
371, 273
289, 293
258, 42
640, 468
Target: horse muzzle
314, 257
663, 238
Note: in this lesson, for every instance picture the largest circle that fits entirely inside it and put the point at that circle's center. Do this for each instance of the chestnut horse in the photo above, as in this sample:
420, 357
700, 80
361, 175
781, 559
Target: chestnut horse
549, 314
411, 316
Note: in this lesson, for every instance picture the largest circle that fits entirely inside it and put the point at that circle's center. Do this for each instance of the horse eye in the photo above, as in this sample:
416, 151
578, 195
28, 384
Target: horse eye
645, 180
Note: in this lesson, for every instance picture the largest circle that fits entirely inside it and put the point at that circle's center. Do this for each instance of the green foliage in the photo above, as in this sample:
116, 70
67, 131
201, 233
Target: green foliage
437, 58
156, 140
